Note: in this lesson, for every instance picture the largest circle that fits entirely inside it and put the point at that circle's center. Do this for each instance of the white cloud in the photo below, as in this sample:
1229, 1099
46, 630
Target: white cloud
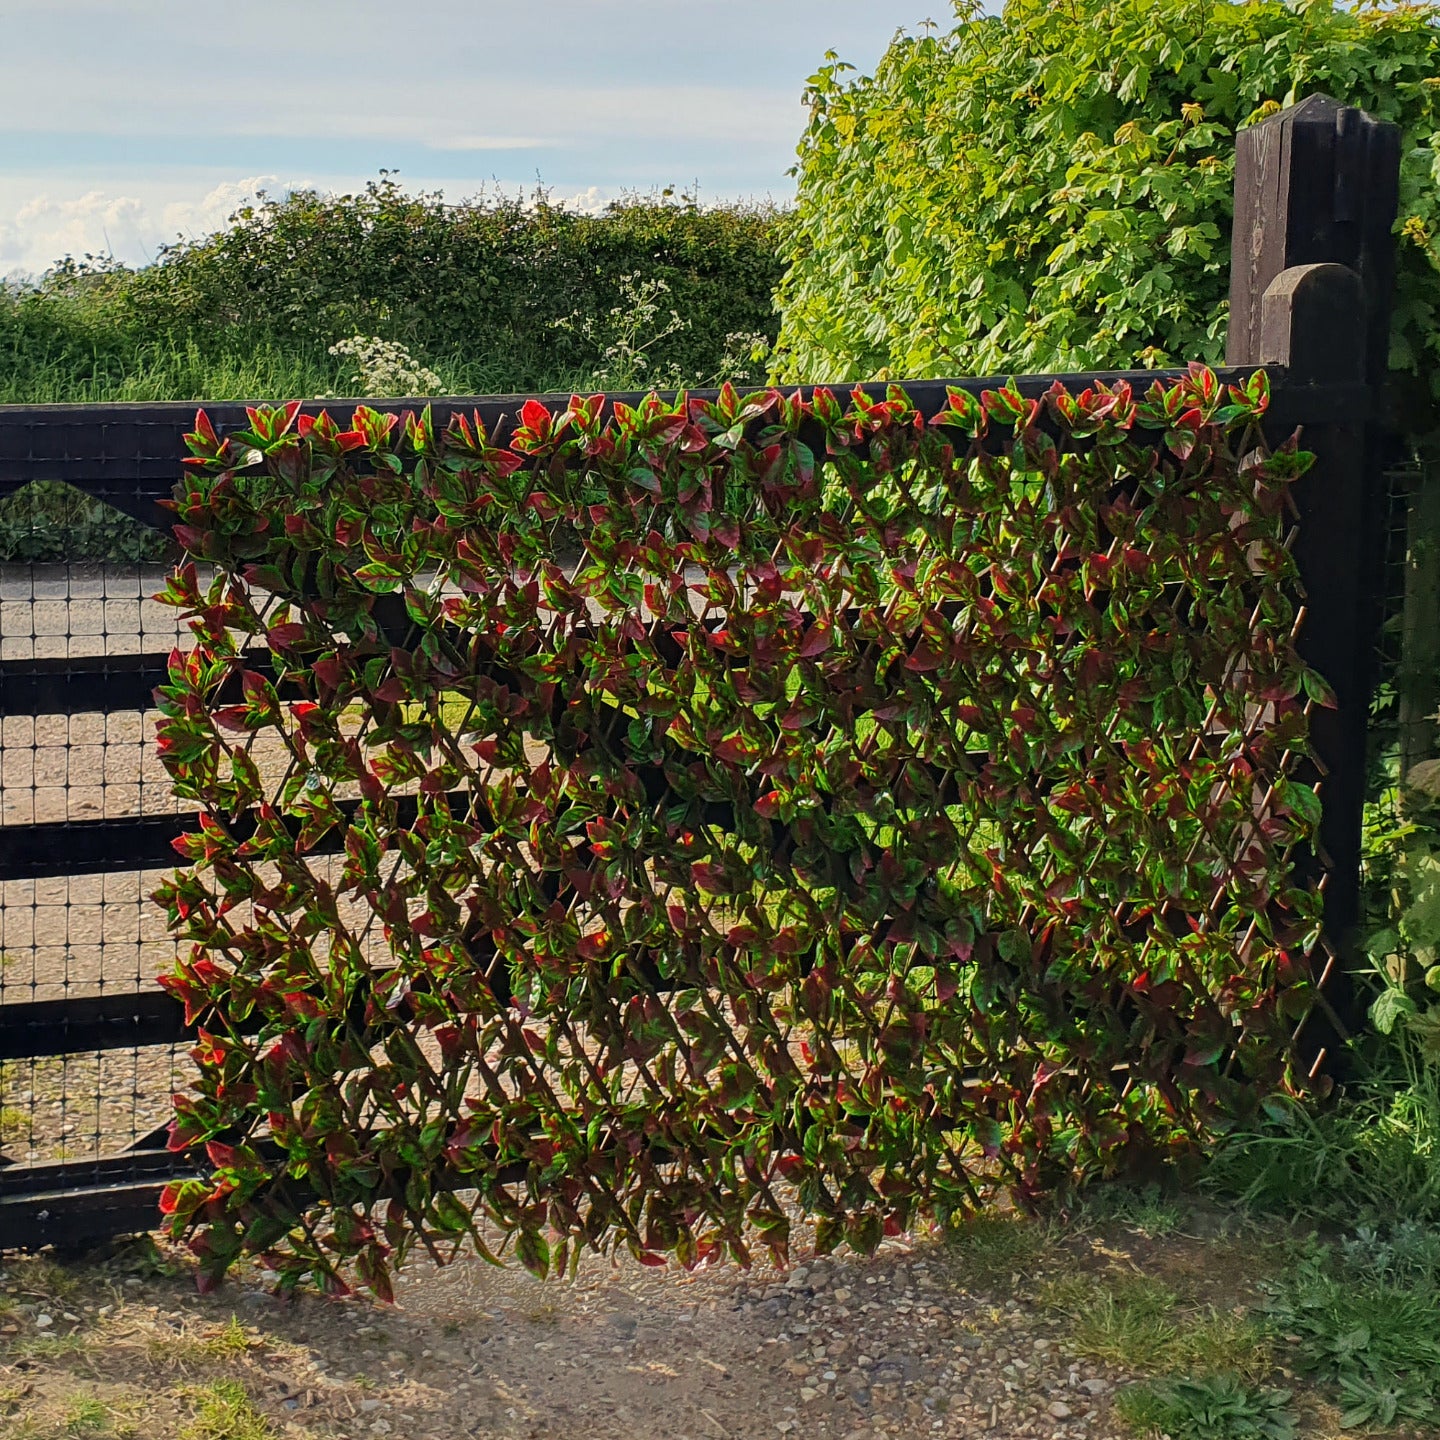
193, 219
46, 227
587, 202
480, 74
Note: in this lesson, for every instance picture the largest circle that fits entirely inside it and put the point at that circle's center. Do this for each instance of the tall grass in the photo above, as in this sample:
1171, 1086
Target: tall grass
164, 372
1370, 1156
184, 371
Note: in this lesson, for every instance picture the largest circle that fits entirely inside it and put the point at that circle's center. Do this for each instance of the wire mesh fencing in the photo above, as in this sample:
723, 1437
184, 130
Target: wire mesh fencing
1404, 725
83, 803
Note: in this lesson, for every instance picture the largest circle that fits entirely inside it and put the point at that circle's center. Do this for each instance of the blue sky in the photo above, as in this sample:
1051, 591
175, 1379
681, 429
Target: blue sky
126, 122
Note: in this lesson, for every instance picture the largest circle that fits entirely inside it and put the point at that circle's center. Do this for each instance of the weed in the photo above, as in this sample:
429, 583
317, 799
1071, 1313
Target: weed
386, 368
1220, 1407
86, 1416
991, 1248
44, 1280
141, 1256
1410, 1254
1380, 1403
48, 1347
223, 1411
627, 333
226, 1342
1124, 1322
1147, 1210
1377, 1340
1214, 1340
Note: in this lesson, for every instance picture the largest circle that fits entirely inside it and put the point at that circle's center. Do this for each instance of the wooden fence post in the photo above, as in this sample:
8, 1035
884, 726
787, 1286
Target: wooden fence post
1315, 184
1313, 260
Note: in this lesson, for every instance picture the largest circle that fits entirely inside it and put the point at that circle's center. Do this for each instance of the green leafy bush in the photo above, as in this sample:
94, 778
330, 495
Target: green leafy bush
874, 811
1050, 188
1403, 846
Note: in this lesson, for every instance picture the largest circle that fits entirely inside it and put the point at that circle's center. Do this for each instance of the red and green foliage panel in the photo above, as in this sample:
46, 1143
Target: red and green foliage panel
714, 811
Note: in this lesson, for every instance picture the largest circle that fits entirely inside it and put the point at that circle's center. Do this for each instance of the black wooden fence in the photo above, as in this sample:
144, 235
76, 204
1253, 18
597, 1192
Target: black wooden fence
90, 1046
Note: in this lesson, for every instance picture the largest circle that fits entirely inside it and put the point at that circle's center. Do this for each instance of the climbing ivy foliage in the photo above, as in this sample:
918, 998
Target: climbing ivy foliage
623, 826
1050, 189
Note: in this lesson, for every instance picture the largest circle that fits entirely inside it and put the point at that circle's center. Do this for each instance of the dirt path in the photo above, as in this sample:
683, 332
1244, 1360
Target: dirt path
988, 1336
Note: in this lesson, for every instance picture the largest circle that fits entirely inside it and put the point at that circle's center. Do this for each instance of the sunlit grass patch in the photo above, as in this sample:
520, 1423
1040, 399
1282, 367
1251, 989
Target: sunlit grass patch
1135, 1322
218, 1344
48, 1347
223, 1411
85, 1415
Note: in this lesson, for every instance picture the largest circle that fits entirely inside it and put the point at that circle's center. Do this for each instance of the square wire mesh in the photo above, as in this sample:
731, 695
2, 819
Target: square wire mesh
77, 769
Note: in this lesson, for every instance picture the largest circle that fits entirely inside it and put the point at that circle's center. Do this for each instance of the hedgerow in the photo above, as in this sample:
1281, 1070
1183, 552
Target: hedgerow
642, 817
480, 291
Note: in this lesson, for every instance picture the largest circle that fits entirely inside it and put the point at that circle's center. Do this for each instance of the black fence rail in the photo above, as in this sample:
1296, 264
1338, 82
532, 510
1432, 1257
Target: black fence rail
91, 1048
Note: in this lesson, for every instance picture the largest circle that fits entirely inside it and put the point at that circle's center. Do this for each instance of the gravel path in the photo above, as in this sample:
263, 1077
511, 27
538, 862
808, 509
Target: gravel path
895, 1345
975, 1335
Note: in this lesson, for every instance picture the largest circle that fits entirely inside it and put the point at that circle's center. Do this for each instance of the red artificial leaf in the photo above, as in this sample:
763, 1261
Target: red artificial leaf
284, 637
817, 640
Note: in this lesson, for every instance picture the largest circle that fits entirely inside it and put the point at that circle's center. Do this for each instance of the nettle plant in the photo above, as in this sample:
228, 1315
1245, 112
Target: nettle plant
627, 826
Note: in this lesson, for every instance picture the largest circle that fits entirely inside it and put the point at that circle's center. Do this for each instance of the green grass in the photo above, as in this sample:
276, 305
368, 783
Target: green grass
1147, 1210
223, 1411
165, 372
1372, 1156
40, 1276
86, 1416
988, 1249
1136, 1322
49, 1347
185, 372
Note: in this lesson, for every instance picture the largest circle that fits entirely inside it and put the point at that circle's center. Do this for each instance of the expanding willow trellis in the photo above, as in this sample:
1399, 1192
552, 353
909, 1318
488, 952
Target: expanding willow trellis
1318, 382
884, 804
